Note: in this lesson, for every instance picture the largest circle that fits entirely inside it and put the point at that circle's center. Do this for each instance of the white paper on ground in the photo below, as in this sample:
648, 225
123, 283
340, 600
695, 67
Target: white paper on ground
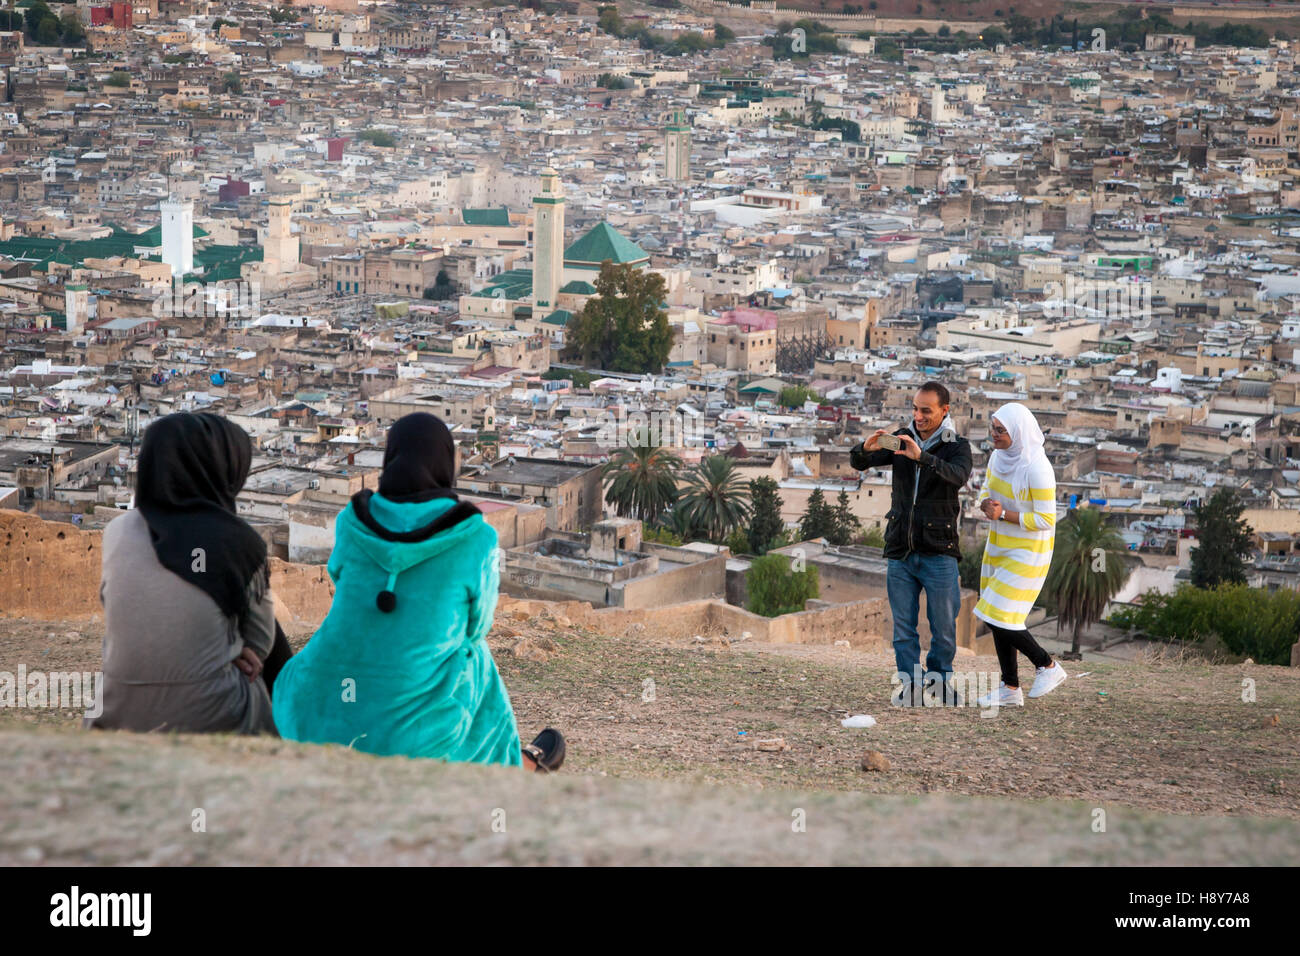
858, 720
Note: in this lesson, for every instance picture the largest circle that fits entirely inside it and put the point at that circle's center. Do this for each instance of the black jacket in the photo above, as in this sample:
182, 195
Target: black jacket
931, 526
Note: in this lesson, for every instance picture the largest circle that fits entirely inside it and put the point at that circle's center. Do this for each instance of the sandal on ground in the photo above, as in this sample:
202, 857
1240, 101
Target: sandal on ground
547, 750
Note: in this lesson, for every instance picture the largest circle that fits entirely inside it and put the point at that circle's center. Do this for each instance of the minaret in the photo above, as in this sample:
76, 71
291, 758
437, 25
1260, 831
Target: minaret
178, 235
280, 248
548, 244
677, 150
938, 106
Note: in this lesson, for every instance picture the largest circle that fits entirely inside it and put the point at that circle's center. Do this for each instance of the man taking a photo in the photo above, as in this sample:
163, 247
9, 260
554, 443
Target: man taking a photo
931, 463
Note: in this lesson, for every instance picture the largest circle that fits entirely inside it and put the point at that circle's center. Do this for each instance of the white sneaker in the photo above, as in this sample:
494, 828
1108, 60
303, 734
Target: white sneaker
1047, 679
1004, 696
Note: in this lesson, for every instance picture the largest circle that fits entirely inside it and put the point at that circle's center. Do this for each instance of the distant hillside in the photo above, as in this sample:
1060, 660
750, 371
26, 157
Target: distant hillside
1268, 17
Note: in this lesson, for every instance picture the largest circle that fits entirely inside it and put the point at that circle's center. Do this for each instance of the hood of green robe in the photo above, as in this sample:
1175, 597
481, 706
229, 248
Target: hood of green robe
396, 556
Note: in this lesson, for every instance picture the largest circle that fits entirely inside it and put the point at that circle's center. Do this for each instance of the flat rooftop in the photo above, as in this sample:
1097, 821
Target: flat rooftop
534, 471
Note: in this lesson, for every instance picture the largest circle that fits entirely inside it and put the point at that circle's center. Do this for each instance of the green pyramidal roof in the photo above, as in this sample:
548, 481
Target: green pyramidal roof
601, 243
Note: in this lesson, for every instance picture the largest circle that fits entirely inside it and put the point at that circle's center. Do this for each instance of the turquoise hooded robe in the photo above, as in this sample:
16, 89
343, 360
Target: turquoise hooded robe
417, 681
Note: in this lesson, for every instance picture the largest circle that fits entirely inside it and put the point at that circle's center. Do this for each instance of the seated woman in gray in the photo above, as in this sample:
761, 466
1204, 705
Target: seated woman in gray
191, 643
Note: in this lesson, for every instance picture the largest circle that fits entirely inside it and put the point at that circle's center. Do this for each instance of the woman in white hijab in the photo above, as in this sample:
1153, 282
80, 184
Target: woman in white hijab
1019, 499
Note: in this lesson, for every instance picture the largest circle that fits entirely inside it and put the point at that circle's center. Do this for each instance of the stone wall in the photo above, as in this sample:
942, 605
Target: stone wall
701, 579
858, 623
49, 570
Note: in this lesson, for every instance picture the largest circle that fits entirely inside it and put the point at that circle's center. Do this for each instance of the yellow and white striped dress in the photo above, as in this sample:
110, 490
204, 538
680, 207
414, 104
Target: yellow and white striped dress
1017, 556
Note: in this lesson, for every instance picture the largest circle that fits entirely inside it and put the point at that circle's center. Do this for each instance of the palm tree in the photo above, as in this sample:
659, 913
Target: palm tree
715, 497
678, 520
1089, 566
645, 481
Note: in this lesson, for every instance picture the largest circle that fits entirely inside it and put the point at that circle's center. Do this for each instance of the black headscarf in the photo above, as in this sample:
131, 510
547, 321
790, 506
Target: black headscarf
419, 460
419, 465
191, 467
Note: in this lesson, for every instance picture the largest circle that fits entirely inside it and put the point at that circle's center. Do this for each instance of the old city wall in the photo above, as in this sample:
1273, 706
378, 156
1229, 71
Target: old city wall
49, 570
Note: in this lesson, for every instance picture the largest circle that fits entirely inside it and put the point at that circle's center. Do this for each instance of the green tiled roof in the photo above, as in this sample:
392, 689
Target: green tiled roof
75, 251
485, 217
601, 243
514, 283
153, 235
558, 317
220, 263
578, 287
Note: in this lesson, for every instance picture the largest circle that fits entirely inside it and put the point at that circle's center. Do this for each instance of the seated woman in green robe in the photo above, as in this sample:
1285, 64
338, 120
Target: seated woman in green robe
400, 664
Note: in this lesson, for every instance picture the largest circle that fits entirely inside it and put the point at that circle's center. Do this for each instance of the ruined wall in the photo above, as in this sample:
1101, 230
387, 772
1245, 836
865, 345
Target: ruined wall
697, 581
50, 571
858, 623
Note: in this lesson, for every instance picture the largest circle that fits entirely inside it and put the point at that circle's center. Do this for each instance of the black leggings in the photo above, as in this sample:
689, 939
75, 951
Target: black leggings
280, 654
1007, 643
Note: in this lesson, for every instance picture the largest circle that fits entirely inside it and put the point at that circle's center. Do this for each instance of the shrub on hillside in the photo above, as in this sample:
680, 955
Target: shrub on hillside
1245, 621
776, 589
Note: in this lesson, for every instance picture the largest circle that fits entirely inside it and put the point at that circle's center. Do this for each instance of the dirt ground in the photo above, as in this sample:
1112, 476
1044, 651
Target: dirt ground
1167, 735
71, 798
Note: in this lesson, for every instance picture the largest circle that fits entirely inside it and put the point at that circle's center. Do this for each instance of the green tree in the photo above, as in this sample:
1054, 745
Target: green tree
609, 21
818, 519
738, 541
1089, 565
624, 328
661, 536
47, 33
74, 34
793, 396
1021, 28
844, 523
678, 521
766, 523
715, 498
577, 376
611, 81
443, 288
378, 137
118, 79
1225, 541
644, 481
230, 83
775, 588
37, 14
992, 36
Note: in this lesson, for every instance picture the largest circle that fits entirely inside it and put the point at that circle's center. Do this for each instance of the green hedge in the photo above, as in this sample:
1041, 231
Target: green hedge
1247, 622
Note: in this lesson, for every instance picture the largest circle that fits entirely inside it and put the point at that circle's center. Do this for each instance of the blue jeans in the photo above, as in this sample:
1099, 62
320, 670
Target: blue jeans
904, 580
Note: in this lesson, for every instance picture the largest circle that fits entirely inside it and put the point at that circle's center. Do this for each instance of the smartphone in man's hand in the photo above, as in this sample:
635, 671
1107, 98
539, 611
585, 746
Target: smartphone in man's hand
889, 442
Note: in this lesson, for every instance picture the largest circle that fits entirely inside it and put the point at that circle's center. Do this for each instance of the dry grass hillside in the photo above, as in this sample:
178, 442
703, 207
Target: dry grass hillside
1184, 770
